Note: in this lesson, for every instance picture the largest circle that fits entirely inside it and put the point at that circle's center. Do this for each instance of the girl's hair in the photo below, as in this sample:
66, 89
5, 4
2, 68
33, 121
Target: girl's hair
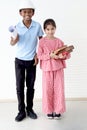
49, 22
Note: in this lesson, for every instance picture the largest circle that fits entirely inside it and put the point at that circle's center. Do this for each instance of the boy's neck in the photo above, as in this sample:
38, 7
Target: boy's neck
27, 23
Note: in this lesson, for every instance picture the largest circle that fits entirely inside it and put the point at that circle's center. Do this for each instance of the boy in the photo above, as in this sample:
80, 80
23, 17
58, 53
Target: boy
26, 59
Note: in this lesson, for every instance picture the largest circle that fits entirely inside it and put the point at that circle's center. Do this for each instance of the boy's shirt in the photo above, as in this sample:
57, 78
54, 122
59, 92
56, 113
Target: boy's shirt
28, 39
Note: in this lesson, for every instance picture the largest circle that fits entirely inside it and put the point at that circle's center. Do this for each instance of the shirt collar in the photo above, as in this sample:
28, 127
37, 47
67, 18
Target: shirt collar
32, 24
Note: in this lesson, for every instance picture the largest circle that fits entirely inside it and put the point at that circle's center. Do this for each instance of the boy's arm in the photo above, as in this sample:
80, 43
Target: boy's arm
35, 57
40, 37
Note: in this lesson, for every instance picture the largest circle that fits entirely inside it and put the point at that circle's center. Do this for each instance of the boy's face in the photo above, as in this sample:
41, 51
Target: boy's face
26, 13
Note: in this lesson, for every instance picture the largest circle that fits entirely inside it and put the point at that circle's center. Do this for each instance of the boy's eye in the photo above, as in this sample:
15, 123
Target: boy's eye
27, 12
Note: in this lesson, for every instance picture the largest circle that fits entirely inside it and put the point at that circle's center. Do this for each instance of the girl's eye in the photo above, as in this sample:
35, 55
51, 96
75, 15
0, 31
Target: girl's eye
53, 29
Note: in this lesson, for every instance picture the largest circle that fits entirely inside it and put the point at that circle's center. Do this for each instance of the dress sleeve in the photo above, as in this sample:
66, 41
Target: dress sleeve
40, 52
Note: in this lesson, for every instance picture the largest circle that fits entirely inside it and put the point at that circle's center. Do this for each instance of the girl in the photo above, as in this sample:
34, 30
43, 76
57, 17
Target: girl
52, 65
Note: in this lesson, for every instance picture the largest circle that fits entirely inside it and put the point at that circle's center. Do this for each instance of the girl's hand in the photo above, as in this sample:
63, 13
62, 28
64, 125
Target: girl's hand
54, 56
61, 56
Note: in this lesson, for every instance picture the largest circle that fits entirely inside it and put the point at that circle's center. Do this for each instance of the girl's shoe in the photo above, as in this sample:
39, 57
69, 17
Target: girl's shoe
50, 116
57, 116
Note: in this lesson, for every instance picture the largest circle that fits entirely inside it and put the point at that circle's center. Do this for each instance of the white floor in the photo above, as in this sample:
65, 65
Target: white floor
75, 118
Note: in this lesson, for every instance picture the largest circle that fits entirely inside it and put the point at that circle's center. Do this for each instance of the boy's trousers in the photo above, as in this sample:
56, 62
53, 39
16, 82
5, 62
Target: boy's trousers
25, 73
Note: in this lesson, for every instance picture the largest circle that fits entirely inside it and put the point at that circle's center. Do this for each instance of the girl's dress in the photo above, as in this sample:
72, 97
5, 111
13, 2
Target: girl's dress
53, 98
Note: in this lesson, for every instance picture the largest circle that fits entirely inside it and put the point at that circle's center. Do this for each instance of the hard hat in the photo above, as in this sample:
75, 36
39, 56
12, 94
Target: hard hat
26, 4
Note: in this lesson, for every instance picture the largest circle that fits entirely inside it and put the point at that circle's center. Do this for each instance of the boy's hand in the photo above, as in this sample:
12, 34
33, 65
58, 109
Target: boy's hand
36, 60
13, 41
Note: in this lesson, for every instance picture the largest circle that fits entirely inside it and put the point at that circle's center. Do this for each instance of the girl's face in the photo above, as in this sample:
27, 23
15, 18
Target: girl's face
26, 14
50, 31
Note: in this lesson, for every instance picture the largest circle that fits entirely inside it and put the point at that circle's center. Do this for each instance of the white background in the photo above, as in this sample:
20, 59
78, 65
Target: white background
71, 20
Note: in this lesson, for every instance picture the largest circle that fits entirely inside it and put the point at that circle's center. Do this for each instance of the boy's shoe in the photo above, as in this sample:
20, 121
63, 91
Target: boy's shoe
50, 116
20, 116
32, 114
57, 116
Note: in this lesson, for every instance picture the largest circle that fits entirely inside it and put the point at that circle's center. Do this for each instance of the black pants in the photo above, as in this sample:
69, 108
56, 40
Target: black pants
25, 73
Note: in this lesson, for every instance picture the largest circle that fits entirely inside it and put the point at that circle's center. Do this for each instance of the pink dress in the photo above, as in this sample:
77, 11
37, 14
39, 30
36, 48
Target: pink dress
53, 98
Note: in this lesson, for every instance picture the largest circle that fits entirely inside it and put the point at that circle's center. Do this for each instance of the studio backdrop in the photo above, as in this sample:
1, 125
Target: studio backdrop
71, 19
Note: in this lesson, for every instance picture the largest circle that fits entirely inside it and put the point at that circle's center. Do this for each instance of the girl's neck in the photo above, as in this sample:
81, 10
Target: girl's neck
52, 37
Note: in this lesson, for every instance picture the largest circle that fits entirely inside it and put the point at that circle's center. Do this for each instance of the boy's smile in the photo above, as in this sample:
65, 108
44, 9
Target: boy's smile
26, 14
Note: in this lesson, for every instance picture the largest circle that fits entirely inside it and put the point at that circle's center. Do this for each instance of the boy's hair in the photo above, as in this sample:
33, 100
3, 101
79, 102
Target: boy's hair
49, 22
32, 10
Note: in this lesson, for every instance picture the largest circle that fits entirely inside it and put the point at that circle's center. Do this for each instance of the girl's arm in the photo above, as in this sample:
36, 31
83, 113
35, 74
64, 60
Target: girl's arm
40, 53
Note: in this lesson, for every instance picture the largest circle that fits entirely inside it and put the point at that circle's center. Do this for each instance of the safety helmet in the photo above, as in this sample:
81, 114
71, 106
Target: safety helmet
24, 4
